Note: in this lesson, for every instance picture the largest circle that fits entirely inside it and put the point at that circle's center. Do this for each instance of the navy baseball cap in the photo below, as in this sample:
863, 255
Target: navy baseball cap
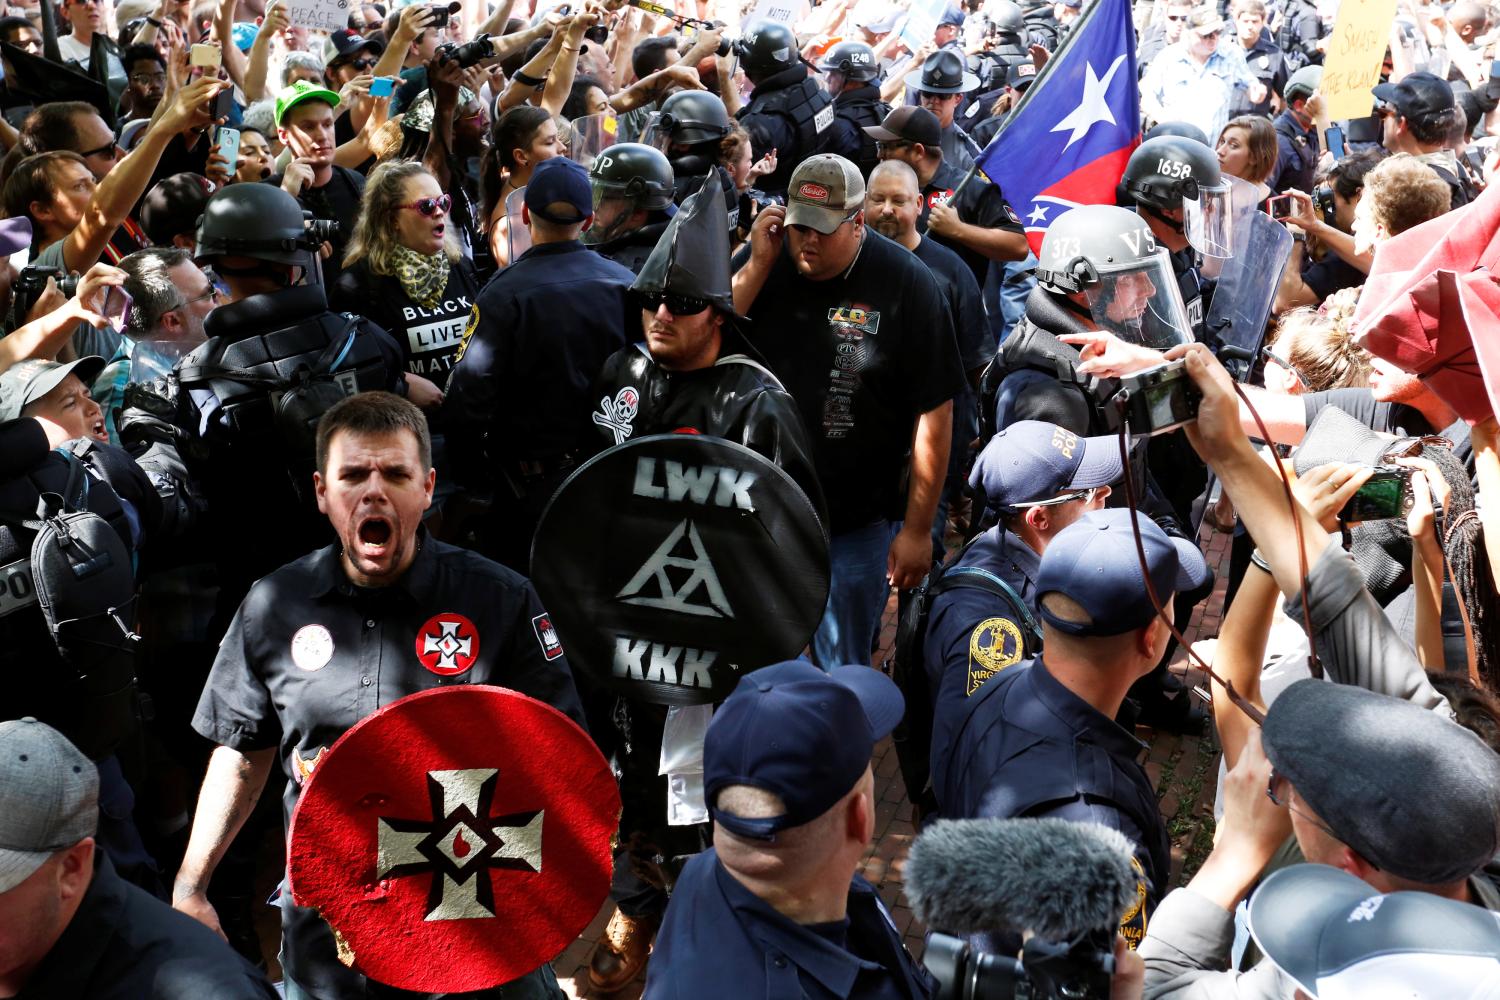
801, 734
1033, 461
1094, 562
952, 14
560, 180
15, 235
1418, 95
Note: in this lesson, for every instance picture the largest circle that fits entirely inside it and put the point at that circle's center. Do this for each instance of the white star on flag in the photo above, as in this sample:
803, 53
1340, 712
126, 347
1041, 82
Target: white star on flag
1038, 214
1093, 108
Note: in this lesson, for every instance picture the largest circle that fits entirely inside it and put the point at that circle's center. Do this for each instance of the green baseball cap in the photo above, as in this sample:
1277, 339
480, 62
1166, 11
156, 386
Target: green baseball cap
301, 91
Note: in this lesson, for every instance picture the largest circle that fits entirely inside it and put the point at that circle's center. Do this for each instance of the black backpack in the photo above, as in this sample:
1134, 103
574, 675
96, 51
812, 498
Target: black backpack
913, 737
83, 578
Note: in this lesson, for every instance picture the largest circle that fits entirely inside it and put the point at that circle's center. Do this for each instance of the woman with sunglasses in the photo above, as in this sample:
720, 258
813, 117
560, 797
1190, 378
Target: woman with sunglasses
403, 271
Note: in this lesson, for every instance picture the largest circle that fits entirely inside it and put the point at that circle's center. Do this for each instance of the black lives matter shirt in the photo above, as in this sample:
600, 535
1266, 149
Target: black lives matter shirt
863, 355
429, 338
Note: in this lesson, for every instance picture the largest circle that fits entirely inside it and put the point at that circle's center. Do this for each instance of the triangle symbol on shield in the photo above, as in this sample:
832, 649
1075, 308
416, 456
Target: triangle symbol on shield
652, 586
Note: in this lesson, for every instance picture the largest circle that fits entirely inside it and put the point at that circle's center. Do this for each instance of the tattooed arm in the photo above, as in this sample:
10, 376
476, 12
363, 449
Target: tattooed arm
231, 788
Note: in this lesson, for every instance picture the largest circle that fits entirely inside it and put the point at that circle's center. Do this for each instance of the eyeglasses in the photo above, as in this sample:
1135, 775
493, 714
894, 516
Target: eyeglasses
212, 293
431, 206
1285, 802
892, 145
146, 79
1386, 111
110, 149
1281, 362
1084, 495
677, 305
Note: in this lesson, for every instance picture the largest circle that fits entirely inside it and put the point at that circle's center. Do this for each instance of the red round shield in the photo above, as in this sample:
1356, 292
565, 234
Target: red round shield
456, 839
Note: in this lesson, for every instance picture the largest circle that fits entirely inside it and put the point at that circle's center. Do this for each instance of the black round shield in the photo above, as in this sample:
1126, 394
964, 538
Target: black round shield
673, 564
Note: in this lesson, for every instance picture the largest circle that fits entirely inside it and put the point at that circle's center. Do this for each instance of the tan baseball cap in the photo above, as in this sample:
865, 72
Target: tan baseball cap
823, 193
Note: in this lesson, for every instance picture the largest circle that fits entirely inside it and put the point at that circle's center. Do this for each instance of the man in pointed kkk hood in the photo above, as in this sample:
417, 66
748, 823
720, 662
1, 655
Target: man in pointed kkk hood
695, 373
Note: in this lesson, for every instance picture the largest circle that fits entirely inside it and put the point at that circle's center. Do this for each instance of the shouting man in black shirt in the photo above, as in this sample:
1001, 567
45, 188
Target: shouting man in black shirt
858, 331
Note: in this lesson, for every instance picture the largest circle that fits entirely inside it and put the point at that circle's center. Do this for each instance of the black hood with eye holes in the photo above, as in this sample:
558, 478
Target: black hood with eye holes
692, 256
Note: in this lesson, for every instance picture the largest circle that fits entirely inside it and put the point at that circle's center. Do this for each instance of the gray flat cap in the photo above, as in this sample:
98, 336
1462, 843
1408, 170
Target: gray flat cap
1416, 794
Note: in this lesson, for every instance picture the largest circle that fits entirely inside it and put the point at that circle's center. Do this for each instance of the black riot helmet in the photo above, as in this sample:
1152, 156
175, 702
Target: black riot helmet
687, 118
632, 170
1007, 18
854, 60
1185, 129
1174, 173
253, 220
691, 260
768, 47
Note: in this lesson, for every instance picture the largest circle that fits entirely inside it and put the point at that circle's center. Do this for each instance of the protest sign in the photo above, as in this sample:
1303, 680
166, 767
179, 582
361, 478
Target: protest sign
787, 12
1356, 50
325, 15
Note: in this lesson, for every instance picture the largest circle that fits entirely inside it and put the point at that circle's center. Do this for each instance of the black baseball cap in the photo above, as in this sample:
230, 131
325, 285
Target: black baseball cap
345, 43
910, 122
1032, 461
1419, 95
1409, 789
800, 734
1022, 74
1094, 562
173, 207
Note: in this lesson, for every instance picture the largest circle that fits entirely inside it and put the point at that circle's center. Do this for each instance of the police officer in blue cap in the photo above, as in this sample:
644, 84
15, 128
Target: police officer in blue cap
517, 405
1039, 478
1039, 738
775, 907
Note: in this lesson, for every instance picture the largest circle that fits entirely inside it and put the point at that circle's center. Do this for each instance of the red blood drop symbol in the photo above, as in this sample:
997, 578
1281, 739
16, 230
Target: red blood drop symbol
460, 845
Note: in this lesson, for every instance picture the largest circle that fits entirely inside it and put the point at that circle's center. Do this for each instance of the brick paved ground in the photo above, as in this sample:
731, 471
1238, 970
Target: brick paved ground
1183, 768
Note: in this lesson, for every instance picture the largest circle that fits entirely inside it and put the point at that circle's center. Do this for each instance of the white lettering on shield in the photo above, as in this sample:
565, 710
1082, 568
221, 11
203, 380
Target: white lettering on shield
708, 484
644, 660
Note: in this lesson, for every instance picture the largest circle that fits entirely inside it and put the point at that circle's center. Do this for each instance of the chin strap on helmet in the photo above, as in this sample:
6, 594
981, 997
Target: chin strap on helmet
1166, 220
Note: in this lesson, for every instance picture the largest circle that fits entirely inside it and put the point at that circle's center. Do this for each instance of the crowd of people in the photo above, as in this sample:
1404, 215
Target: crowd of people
306, 327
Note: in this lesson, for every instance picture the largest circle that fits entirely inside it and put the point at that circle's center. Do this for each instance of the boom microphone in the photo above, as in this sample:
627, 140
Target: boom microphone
1055, 878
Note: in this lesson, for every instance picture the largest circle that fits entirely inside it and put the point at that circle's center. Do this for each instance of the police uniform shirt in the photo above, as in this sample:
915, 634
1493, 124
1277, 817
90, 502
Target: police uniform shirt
309, 654
975, 345
1027, 746
979, 204
955, 151
972, 635
1297, 152
1266, 63
863, 354
716, 931
429, 338
537, 337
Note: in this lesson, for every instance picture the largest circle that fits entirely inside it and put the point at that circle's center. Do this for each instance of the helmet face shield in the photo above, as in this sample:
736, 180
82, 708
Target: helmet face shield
658, 131
1208, 220
614, 206
1141, 303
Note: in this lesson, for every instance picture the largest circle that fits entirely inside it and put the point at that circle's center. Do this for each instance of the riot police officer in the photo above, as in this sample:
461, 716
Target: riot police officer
851, 72
1175, 185
688, 129
1005, 47
787, 111
245, 404
632, 186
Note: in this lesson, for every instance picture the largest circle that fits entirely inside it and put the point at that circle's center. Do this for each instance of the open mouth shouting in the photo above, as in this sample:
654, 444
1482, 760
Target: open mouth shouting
375, 539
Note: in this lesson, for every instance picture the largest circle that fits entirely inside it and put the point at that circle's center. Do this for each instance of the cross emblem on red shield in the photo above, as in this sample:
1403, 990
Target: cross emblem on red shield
448, 644
456, 839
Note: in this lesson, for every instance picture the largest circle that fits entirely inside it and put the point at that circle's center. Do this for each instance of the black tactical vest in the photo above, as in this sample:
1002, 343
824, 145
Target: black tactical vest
811, 112
862, 110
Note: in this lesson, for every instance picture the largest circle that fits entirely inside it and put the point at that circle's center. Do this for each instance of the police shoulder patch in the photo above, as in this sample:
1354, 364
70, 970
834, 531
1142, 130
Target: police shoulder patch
463, 345
995, 644
1133, 920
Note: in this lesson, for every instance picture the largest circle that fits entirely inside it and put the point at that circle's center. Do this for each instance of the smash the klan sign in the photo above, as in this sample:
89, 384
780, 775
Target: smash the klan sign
455, 839
675, 563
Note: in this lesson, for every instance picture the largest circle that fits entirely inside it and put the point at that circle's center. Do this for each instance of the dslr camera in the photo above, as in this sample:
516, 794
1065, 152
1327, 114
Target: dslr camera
318, 231
1160, 399
32, 281
470, 53
1322, 200
1080, 970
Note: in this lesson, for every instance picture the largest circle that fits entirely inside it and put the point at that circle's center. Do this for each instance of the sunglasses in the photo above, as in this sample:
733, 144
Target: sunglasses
1281, 362
431, 207
1084, 495
362, 64
111, 149
891, 146
677, 305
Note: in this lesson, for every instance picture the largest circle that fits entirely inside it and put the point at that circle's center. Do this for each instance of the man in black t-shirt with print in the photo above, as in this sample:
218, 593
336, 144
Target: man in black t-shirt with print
858, 331
304, 122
